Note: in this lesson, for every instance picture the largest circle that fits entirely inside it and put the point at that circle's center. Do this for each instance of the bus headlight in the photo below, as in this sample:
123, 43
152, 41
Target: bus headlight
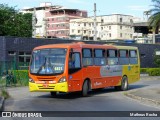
62, 79
31, 80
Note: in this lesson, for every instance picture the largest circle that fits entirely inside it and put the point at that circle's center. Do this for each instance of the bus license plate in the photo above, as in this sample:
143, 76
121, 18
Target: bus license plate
45, 85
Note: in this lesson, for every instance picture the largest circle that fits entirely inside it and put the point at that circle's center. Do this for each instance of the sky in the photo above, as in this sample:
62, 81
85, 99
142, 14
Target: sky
104, 7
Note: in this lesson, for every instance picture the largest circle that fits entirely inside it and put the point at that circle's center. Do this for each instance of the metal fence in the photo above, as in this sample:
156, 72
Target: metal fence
13, 74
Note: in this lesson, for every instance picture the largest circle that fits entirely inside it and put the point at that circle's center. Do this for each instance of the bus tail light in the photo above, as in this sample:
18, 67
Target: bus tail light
31, 80
62, 79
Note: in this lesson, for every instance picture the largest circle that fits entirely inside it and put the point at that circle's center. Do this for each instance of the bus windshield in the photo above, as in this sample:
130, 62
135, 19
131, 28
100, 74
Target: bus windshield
48, 61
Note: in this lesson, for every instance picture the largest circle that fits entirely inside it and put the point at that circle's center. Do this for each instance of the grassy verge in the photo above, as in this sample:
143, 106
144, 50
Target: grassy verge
4, 93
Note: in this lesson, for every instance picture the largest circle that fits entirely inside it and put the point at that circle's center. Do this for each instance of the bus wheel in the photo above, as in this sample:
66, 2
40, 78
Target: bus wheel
124, 83
85, 88
53, 94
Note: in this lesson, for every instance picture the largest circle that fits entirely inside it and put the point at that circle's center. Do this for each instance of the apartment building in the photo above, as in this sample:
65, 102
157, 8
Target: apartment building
109, 27
52, 21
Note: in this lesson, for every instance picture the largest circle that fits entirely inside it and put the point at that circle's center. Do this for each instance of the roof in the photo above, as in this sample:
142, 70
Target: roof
74, 45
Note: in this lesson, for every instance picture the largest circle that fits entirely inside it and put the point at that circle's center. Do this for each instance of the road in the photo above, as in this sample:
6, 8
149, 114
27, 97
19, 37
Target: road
103, 100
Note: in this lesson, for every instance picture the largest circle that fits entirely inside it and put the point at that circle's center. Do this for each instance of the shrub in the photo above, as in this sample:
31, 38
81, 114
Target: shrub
151, 71
143, 70
21, 77
154, 72
4, 93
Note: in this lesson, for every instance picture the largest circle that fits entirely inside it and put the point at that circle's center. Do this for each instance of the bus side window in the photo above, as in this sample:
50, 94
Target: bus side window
112, 58
123, 57
87, 57
74, 60
133, 57
99, 57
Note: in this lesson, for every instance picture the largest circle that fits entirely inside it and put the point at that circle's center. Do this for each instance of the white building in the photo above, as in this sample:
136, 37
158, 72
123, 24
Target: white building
39, 21
109, 27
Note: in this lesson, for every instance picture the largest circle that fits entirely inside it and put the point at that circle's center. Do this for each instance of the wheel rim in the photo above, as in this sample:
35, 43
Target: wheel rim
125, 84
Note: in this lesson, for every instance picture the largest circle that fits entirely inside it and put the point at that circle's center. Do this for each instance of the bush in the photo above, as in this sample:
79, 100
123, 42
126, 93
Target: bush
21, 77
4, 93
154, 72
151, 71
144, 70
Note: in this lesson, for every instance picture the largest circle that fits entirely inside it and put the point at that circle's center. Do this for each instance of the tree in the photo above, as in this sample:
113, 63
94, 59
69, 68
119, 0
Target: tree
154, 19
14, 23
156, 58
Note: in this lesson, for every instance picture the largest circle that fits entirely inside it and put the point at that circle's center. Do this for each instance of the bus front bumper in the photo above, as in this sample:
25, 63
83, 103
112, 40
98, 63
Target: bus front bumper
58, 87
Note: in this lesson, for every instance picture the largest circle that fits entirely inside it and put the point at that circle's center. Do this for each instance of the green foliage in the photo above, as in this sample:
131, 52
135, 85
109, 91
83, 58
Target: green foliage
14, 23
4, 93
21, 76
151, 71
154, 72
154, 19
144, 70
157, 59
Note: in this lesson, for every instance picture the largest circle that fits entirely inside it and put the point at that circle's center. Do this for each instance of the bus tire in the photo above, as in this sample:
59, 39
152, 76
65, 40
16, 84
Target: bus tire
124, 83
85, 88
53, 94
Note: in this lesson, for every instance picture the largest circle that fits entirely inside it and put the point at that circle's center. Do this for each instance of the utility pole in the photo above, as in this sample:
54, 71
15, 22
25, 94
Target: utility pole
34, 23
95, 25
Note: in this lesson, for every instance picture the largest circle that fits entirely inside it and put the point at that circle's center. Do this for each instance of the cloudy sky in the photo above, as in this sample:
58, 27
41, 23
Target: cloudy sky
104, 7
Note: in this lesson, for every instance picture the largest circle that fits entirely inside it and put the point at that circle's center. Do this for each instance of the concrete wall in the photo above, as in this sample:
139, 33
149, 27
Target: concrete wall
27, 44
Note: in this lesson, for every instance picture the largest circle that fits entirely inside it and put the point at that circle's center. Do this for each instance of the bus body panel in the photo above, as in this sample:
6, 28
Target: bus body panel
99, 76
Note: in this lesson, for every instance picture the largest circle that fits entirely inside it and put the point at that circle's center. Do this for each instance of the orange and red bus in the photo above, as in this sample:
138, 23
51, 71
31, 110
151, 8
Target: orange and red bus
82, 67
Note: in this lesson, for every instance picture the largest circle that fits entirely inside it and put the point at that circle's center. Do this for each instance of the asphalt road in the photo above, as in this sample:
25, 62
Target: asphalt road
103, 100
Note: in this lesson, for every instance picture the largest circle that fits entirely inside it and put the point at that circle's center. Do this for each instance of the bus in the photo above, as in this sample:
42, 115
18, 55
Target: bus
82, 67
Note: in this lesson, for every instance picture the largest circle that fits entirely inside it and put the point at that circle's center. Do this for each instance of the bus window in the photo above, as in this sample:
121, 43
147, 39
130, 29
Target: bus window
133, 57
74, 60
123, 57
87, 57
99, 57
112, 58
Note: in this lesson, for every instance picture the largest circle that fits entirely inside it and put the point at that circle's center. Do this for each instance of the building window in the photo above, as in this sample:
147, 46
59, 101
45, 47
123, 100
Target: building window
102, 21
84, 31
72, 31
109, 27
110, 35
130, 35
52, 19
101, 28
84, 24
92, 32
121, 35
24, 56
121, 27
78, 31
120, 19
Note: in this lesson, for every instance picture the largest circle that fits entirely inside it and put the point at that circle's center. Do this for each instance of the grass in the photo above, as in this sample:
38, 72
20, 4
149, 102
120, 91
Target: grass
4, 93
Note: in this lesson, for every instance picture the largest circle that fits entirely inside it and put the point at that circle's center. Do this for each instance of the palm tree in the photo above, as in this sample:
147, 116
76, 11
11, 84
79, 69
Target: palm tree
154, 19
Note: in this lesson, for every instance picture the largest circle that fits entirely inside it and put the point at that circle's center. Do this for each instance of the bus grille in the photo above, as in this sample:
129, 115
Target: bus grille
49, 87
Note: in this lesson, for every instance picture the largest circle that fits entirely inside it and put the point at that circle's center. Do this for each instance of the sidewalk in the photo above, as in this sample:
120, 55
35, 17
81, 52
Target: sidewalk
148, 95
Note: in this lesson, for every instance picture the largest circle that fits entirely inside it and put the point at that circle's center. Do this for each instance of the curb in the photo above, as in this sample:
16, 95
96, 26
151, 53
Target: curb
144, 100
1, 103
